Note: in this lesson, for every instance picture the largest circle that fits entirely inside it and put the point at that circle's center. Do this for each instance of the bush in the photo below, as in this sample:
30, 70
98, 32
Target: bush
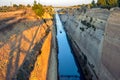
93, 4
5, 8
15, 5
101, 3
118, 3
21, 6
28, 5
38, 9
89, 25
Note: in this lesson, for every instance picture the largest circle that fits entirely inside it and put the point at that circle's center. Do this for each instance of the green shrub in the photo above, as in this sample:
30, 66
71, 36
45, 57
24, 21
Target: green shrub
89, 25
38, 9
5, 8
21, 6
118, 3
93, 4
28, 5
91, 19
101, 3
15, 5
82, 29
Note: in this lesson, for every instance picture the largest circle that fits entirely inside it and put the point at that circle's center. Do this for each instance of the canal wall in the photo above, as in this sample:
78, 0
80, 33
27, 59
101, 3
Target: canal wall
53, 60
41, 63
94, 37
36, 62
27, 46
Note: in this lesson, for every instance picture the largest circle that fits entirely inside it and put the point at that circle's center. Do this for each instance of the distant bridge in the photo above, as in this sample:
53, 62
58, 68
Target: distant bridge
67, 7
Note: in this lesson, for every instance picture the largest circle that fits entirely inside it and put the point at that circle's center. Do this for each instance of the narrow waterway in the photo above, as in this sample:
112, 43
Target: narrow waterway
67, 67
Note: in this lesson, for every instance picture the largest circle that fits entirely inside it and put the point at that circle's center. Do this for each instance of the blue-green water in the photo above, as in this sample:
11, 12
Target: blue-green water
67, 67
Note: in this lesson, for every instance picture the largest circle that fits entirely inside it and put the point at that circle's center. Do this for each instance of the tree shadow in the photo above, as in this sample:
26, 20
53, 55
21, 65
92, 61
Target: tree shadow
10, 64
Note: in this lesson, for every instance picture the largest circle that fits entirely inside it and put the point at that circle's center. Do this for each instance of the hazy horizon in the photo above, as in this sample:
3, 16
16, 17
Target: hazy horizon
46, 2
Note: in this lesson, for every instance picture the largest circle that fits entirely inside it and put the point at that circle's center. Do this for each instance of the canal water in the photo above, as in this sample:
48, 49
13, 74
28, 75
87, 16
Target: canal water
67, 66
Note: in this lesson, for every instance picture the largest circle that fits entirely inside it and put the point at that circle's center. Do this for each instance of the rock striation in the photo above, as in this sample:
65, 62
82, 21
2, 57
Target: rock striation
94, 37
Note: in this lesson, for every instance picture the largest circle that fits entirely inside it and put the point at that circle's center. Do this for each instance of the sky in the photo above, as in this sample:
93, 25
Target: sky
46, 2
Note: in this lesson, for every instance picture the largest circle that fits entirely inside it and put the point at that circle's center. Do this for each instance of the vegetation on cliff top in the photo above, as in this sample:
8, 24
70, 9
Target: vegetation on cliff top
100, 4
108, 3
38, 8
14, 7
105, 3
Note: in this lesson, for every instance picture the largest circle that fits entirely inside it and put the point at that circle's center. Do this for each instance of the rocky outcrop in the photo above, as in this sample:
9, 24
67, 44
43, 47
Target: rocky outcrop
92, 33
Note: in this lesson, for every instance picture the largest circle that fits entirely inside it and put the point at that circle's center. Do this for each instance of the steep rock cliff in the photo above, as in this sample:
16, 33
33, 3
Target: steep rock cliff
22, 35
86, 29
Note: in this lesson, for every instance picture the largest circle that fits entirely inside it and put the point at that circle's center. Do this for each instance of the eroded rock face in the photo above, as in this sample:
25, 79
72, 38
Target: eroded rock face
87, 29
21, 39
41, 65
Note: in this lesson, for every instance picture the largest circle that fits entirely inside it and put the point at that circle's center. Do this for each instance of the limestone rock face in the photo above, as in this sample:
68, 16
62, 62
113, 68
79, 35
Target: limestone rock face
21, 38
111, 46
88, 28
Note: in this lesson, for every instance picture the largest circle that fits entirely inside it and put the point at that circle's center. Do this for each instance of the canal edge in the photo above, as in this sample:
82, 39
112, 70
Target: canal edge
53, 59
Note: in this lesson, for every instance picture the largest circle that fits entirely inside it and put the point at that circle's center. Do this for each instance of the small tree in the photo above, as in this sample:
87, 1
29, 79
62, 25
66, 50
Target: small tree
119, 3
93, 4
28, 5
21, 6
15, 5
38, 9
112, 3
